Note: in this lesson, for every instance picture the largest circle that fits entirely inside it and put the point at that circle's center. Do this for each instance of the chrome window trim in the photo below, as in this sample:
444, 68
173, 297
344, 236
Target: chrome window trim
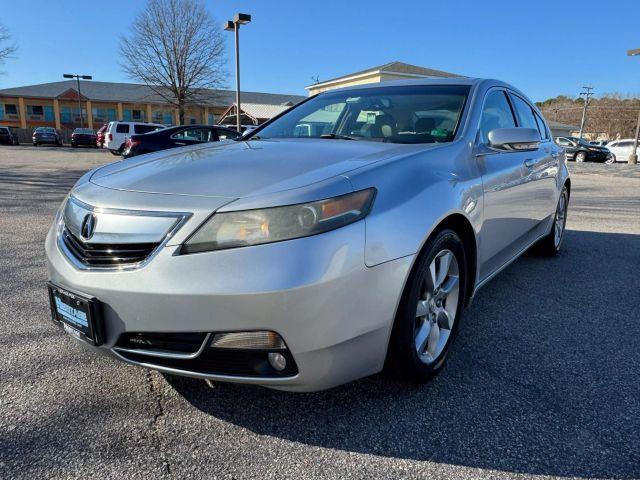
161, 354
181, 219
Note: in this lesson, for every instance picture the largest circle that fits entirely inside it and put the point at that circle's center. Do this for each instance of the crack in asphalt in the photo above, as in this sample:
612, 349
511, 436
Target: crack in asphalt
157, 430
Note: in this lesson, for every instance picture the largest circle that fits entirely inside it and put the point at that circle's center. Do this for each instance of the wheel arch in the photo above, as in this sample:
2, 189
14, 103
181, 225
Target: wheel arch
462, 226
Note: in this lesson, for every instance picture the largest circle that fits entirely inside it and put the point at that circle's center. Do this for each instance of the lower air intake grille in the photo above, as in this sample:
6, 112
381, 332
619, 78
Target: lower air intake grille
106, 255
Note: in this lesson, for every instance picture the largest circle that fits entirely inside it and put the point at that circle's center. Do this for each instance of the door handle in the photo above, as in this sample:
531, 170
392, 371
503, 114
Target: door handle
530, 163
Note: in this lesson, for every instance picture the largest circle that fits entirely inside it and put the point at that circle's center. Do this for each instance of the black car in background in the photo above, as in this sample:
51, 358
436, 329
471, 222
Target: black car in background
84, 136
176, 137
46, 135
7, 137
580, 150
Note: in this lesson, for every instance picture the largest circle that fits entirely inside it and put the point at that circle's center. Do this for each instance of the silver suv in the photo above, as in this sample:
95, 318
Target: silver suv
351, 230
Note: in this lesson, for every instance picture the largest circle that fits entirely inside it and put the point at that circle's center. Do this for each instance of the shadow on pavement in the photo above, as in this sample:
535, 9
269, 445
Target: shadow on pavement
544, 378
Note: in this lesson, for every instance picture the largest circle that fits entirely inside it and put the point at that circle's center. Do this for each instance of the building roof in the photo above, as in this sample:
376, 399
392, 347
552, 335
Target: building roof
395, 67
137, 93
257, 110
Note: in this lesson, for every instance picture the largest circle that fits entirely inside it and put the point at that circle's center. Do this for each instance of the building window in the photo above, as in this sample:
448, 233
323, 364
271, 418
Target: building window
49, 115
138, 115
72, 115
165, 117
35, 111
103, 115
211, 120
11, 109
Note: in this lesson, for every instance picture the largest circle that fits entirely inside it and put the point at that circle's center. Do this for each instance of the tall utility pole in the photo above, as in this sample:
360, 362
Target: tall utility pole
587, 94
234, 26
633, 158
78, 77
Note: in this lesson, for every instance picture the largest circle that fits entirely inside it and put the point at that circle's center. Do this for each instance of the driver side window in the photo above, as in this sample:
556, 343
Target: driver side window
496, 113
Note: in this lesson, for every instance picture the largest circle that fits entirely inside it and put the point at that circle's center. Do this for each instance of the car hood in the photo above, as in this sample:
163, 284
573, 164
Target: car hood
240, 169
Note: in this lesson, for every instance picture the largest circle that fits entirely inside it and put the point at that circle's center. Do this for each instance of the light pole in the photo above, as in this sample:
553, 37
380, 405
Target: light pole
234, 26
633, 158
78, 77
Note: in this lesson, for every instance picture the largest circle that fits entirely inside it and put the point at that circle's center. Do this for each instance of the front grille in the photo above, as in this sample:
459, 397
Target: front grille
106, 255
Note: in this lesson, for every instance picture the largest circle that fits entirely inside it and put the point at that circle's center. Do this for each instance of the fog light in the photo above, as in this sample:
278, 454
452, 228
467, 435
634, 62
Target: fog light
277, 361
260, 340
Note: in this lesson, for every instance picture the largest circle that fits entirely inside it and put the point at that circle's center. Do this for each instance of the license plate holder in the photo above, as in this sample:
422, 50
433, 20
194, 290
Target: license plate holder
79, 314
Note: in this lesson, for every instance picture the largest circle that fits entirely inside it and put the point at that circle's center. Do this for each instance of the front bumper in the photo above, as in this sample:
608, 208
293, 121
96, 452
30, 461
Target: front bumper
334, 313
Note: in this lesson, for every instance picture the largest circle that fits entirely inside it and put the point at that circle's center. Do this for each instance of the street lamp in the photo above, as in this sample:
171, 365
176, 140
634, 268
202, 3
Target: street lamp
633, 158
234, 26
78, 77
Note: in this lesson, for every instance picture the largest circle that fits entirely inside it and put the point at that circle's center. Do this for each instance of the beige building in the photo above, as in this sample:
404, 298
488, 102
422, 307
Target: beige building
382, 73
56, 105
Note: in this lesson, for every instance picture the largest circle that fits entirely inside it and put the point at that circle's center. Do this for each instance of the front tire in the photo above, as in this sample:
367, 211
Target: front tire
551, 243
581, 157
430, 310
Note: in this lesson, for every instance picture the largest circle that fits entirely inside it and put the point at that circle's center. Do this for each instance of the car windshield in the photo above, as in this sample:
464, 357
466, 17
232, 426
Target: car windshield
399, 114
86, 131
45, 130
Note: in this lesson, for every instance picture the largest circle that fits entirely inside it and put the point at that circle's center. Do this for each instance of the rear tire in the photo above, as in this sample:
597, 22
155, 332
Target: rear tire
581, 157
114, 152
430, 310
551, 243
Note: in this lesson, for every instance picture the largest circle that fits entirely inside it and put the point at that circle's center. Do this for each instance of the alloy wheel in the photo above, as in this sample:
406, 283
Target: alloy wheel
437, 306
561, 217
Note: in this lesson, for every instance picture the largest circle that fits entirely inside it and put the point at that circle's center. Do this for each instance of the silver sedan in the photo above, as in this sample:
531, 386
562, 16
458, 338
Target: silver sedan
346, 235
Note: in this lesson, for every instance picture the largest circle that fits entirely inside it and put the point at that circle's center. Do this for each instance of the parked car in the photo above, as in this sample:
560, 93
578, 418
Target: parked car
100, 136
246, 129
46, 135
7, 137
303, 262
117, 133
622, 149
176, 137
600, 143
83, 136
580, 150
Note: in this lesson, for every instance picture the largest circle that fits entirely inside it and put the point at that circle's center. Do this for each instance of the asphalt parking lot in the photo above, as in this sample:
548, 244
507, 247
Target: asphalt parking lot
544, 379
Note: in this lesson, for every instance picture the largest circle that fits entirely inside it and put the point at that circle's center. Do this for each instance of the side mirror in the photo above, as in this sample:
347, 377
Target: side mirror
514, 139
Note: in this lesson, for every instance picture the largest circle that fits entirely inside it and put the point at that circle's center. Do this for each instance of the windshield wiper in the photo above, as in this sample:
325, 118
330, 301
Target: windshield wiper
337, 136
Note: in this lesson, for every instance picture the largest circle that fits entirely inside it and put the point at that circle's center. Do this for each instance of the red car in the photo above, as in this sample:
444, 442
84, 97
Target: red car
100, 136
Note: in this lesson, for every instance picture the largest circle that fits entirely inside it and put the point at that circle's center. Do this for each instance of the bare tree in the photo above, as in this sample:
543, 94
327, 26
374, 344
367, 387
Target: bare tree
611, 116
176, 49
7, 47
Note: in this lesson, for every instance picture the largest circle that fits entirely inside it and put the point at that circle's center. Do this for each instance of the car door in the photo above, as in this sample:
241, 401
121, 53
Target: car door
542, 164
508, 222
622, 150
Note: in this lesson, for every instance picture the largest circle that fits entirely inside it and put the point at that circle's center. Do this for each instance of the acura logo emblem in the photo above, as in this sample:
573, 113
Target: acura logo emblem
88, 226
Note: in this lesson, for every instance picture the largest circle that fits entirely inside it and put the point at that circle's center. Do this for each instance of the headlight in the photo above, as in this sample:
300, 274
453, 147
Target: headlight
268, 225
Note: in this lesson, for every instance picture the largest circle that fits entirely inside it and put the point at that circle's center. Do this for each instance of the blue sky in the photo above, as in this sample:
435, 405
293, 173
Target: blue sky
546, 48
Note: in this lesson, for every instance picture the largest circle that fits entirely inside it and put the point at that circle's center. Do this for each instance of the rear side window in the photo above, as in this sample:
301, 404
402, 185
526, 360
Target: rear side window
225, 134
496, 113
524, 113
122, 128
542, 128
144, 128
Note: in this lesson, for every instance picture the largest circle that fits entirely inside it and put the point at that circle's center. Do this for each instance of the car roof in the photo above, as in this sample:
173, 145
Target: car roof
473, 82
